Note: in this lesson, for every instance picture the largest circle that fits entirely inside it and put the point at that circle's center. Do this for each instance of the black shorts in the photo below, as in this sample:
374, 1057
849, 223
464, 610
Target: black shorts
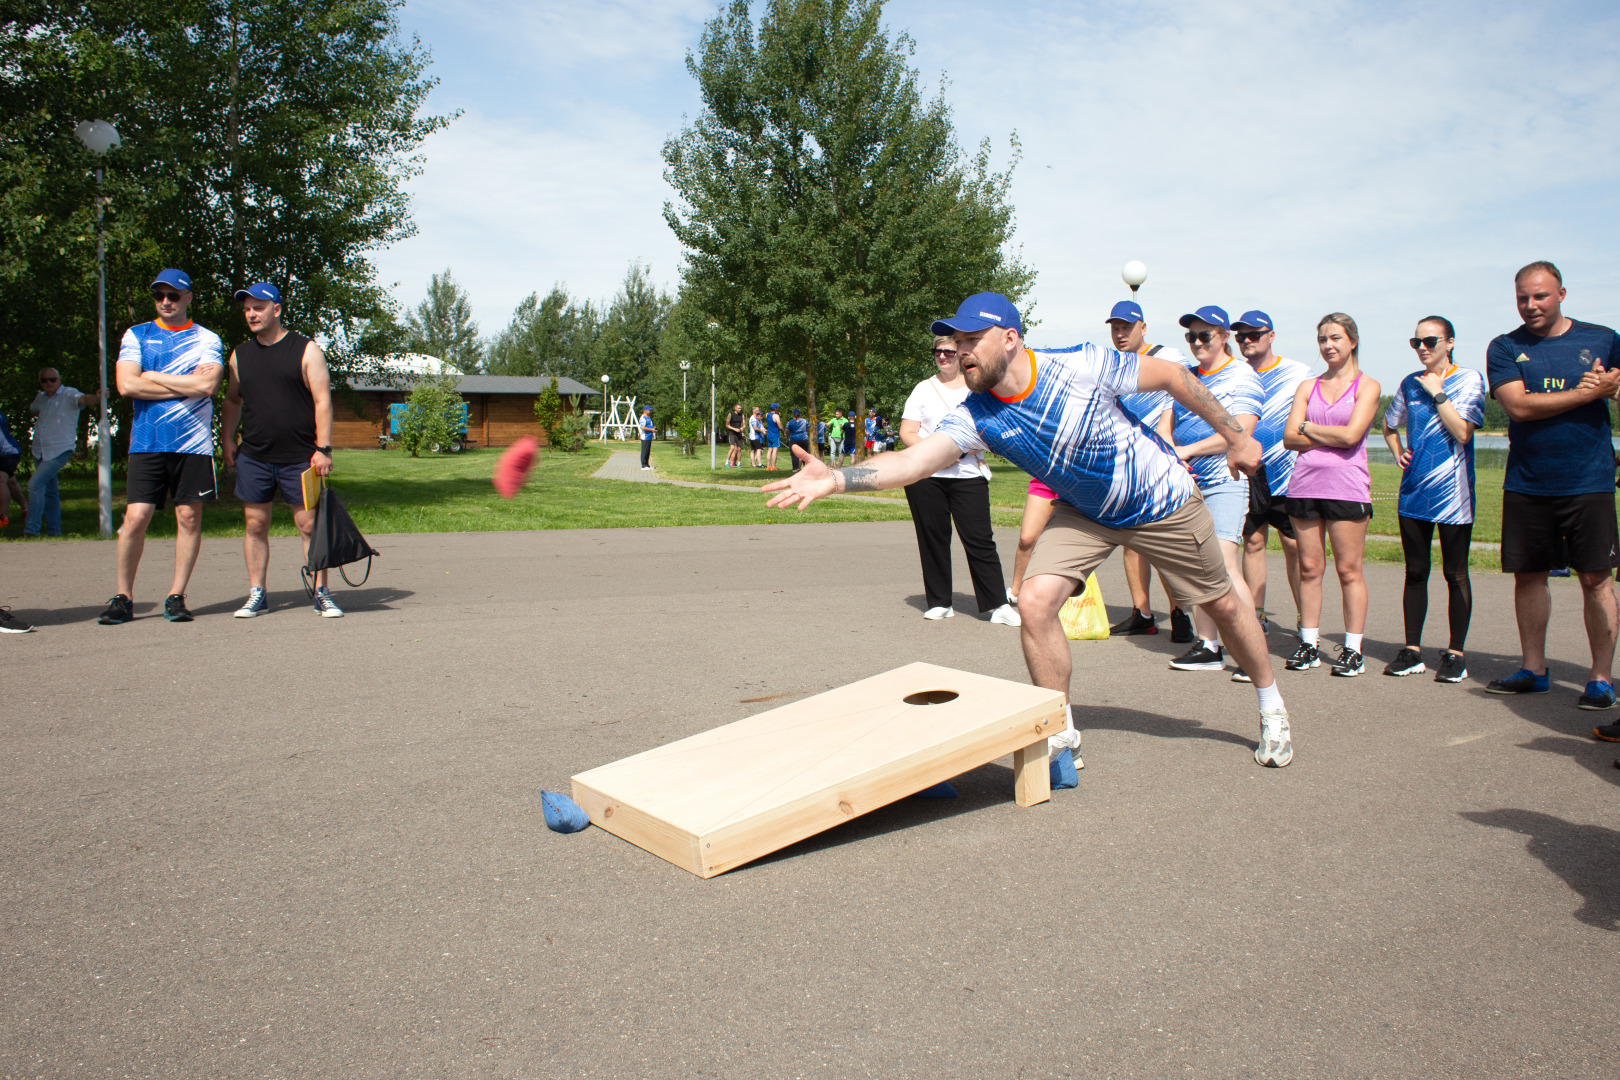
9, 463
258, 481
734, 438
1328, 509
1532, 526
756, 444
1265, 508
186, 478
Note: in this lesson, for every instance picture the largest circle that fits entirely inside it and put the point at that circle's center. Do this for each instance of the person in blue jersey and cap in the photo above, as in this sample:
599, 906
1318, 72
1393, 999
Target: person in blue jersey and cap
1057, 416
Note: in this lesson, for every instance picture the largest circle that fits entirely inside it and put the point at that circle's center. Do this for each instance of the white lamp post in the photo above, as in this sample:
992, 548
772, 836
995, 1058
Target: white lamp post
99, 137
1134, 273
713, 326
601, 417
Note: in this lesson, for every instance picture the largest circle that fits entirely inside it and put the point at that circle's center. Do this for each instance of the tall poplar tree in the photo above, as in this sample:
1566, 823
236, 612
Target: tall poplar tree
827, 211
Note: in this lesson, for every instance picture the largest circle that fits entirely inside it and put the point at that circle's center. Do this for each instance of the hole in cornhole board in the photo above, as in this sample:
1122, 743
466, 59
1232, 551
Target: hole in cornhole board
930, 697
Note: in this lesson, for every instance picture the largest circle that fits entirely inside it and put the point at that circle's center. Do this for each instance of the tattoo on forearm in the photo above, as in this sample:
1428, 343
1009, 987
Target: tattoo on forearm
1201, 396
860, 478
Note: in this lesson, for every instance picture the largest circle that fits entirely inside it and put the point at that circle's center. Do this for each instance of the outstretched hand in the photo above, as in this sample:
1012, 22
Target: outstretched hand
813, 481
1243, 458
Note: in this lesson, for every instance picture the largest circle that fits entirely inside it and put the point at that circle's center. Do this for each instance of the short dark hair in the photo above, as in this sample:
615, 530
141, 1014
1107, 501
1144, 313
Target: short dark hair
1539, 266
1451, 331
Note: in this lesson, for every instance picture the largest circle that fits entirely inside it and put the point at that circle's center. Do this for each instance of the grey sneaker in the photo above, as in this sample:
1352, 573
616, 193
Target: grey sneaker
10, 624
325, 607
256, 605
1276, 747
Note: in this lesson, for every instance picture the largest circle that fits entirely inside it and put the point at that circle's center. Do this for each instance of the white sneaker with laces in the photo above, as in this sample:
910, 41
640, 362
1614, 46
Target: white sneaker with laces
1006, 616
1067, 739
1276, 744
325, 606
939, 613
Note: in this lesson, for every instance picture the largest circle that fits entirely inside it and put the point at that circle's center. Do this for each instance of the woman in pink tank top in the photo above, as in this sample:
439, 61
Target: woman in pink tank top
1330, 493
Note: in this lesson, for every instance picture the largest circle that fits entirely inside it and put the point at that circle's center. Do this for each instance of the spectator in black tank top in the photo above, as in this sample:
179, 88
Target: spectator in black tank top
281, 393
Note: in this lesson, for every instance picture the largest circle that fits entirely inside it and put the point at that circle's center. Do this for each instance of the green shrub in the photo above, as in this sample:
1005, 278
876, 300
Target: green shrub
571, 433
548, 411
689, 427
434, 416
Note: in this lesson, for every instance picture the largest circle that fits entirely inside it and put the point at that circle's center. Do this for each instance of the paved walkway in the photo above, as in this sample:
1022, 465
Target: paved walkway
290, 846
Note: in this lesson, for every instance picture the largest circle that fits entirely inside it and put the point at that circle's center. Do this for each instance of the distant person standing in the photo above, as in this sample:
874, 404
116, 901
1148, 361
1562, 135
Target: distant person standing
56, 436
1127, 329
1330, 492
648, 430
852, 436
773, 436
1440, 405
171, 367
735, 436
821, 438
835, 436
960, 492
1554, 376
1279, 378
756, 437
10, 458
798, 432
281, 392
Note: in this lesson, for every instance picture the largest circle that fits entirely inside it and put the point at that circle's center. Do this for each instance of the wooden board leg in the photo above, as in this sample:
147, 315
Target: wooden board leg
1032, 775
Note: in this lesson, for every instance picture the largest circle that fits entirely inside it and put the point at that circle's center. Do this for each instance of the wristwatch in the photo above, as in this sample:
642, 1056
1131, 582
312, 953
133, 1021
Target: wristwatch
1440, 397
1302, 424
327, 450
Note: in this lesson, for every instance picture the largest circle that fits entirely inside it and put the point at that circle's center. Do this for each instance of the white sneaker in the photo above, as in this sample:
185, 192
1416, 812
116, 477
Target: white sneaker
1067, 739
939, 613
1276, 746
1012, 597
1006, 616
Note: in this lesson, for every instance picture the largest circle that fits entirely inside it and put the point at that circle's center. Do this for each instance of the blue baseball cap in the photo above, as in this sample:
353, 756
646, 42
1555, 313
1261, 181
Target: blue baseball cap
177, 278
978, 312
259, 290
646, 408
1211, 314
1254, 318
795, 412
1126, 311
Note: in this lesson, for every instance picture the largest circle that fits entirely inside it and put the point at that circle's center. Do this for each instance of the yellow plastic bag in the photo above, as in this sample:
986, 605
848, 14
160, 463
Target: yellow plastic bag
1083, 615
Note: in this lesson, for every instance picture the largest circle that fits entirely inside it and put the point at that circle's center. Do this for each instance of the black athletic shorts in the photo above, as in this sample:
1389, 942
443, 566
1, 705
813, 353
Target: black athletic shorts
186, 478
756, 444
1265, 508
734, 438
1533, 524
1328, 509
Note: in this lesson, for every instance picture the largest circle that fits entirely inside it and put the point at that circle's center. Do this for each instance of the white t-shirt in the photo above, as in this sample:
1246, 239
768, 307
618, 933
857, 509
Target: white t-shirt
57, 428
928, 404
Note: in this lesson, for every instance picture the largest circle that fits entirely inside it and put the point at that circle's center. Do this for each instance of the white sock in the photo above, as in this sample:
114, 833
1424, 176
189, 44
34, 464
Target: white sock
1352, 641
1212, 646
1270, 697
1310, 634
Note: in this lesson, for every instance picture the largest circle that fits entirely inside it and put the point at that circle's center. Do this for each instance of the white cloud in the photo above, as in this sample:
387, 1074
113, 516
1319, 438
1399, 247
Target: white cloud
1387, 160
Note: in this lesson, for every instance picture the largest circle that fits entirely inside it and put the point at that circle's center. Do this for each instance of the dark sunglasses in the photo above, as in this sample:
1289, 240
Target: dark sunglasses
1202, 337
1249, 336
944, 352
1425, 342
52, 379
171, 297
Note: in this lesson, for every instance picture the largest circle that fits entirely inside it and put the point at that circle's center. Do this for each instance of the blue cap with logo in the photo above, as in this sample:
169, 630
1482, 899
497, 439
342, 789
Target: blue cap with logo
1254, 318
1126, 311
978, 312
179, 279
795, 412
1211, 314
259, 290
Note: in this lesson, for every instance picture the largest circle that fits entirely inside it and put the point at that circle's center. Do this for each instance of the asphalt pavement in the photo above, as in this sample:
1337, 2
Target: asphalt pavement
295, 847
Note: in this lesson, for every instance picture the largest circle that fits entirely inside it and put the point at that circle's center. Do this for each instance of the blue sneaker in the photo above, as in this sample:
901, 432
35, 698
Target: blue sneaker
1599, 695
1523, 681
257, 604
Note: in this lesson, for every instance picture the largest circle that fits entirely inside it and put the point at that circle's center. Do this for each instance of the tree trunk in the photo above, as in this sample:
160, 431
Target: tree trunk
860, 398
810, 385
233, 130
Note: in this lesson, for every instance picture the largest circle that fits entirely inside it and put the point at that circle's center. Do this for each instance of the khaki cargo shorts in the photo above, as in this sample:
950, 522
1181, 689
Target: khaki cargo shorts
1181, 546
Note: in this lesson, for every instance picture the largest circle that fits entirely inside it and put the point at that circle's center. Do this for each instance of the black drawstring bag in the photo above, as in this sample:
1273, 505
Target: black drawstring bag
335, 542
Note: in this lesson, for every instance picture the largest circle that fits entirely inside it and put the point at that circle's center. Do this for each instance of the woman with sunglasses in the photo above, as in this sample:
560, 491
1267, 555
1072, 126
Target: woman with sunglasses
1235, 385
1440, 405
1330, 492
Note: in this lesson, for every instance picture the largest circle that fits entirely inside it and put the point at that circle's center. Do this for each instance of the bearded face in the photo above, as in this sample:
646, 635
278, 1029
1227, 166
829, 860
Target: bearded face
984, 358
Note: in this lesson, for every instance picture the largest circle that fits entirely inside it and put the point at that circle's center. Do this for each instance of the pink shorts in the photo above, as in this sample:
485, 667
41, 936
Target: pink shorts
1040, 490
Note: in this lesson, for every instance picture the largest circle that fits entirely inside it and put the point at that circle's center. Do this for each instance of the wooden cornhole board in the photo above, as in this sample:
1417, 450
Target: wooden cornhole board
715, 801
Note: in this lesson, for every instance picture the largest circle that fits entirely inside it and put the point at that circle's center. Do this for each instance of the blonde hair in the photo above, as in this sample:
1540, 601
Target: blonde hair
1348, 325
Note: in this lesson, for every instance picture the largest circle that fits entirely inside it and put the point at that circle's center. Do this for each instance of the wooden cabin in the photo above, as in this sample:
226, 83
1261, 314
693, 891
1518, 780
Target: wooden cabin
500, 408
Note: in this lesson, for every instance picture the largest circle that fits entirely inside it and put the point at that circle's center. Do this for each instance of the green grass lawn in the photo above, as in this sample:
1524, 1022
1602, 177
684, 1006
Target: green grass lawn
389, 492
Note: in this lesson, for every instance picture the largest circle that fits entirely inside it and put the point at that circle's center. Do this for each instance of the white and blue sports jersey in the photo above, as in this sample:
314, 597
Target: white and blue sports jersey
1278, 381
1235, 385
181, 425
1069, 432
1438, 484
1146, 407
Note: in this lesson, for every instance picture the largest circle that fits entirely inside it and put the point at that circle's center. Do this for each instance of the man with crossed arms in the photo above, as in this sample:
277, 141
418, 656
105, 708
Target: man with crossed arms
1056, 415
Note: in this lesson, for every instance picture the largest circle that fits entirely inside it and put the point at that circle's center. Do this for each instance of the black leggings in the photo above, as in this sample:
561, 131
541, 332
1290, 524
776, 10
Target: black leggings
1416, 536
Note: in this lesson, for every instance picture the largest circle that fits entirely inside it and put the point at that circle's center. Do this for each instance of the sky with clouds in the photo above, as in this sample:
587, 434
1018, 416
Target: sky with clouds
1391, 160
